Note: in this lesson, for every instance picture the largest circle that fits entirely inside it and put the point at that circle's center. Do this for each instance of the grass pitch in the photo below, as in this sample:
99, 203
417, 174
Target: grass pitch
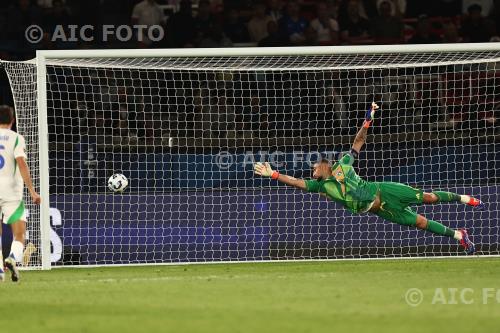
350, 296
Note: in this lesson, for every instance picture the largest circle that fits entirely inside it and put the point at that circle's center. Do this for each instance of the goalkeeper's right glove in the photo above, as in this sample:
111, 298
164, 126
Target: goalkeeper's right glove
265, 170
370, 115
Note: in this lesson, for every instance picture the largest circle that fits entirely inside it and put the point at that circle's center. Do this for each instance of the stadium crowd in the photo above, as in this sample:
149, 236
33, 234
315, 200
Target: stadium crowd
219, 23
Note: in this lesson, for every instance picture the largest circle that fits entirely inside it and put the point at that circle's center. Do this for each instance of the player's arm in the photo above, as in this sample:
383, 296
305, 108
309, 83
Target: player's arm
360, 139
20, 156
25, 173
265, 170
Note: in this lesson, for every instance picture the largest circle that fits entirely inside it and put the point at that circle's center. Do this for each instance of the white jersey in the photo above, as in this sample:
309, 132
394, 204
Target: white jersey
12, 146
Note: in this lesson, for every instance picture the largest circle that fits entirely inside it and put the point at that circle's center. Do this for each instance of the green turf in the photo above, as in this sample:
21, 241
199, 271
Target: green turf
351, 296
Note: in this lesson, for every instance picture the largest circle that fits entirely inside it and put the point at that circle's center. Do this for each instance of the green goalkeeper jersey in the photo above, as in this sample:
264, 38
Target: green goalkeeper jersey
345, 186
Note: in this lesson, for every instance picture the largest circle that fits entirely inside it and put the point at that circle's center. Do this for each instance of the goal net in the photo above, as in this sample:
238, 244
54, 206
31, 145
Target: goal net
185, 128
23, 82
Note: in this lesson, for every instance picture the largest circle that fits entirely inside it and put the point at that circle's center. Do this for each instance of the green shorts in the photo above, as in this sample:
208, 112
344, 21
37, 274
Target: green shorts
394, 201
12, 211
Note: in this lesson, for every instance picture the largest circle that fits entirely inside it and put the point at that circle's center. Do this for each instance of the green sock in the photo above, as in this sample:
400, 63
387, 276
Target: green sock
438, 228
446, 196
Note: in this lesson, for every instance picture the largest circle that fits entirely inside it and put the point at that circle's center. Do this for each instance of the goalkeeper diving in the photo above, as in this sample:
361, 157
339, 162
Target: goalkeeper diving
340, 183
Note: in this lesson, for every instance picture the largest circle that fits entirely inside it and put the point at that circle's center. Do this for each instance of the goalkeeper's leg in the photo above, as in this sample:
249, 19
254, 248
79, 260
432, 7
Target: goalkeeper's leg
412, 219
437, 228
441, 196
395, 199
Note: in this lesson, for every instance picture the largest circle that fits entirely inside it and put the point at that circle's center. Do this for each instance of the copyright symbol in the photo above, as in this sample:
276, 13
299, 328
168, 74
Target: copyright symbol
33, 34
224, 160
414, 297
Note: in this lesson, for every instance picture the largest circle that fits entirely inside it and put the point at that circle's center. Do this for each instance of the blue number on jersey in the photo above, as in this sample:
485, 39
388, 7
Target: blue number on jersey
2, 160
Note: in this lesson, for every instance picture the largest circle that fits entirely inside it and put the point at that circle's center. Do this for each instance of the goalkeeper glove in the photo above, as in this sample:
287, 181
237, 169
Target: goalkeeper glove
370, 115
265, 170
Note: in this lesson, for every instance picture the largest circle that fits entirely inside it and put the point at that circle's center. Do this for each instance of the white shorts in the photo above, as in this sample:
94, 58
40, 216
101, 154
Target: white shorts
12, 211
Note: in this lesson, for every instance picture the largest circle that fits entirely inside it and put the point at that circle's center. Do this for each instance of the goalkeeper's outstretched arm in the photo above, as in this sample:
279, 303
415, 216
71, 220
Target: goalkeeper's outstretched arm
360, 139
265, 170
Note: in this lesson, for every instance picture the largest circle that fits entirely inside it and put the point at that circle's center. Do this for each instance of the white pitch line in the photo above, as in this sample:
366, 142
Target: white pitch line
197, 278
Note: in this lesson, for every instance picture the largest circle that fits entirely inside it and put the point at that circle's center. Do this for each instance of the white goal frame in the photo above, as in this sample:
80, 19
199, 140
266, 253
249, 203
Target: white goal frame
44, 57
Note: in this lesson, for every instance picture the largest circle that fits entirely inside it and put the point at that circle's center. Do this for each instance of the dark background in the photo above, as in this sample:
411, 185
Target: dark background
438, 123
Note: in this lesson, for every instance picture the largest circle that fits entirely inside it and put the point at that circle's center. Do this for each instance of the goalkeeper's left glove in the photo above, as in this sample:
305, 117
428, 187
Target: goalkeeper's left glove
370, 115
265, 170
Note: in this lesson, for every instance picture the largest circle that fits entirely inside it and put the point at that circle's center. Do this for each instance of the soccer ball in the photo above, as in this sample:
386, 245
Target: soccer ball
117, 182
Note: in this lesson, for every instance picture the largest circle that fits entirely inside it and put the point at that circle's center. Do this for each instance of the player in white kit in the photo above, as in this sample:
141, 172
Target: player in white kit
14, 173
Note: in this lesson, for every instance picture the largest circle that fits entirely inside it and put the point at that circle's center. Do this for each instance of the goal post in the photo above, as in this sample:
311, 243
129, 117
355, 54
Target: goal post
185, 126
270, 51
41, 95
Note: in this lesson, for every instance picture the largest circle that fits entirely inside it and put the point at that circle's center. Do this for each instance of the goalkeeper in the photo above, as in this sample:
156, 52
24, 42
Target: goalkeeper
388, 200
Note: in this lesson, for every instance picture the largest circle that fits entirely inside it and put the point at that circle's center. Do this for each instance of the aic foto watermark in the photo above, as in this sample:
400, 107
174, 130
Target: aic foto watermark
452, 296
89, 33
277, 159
